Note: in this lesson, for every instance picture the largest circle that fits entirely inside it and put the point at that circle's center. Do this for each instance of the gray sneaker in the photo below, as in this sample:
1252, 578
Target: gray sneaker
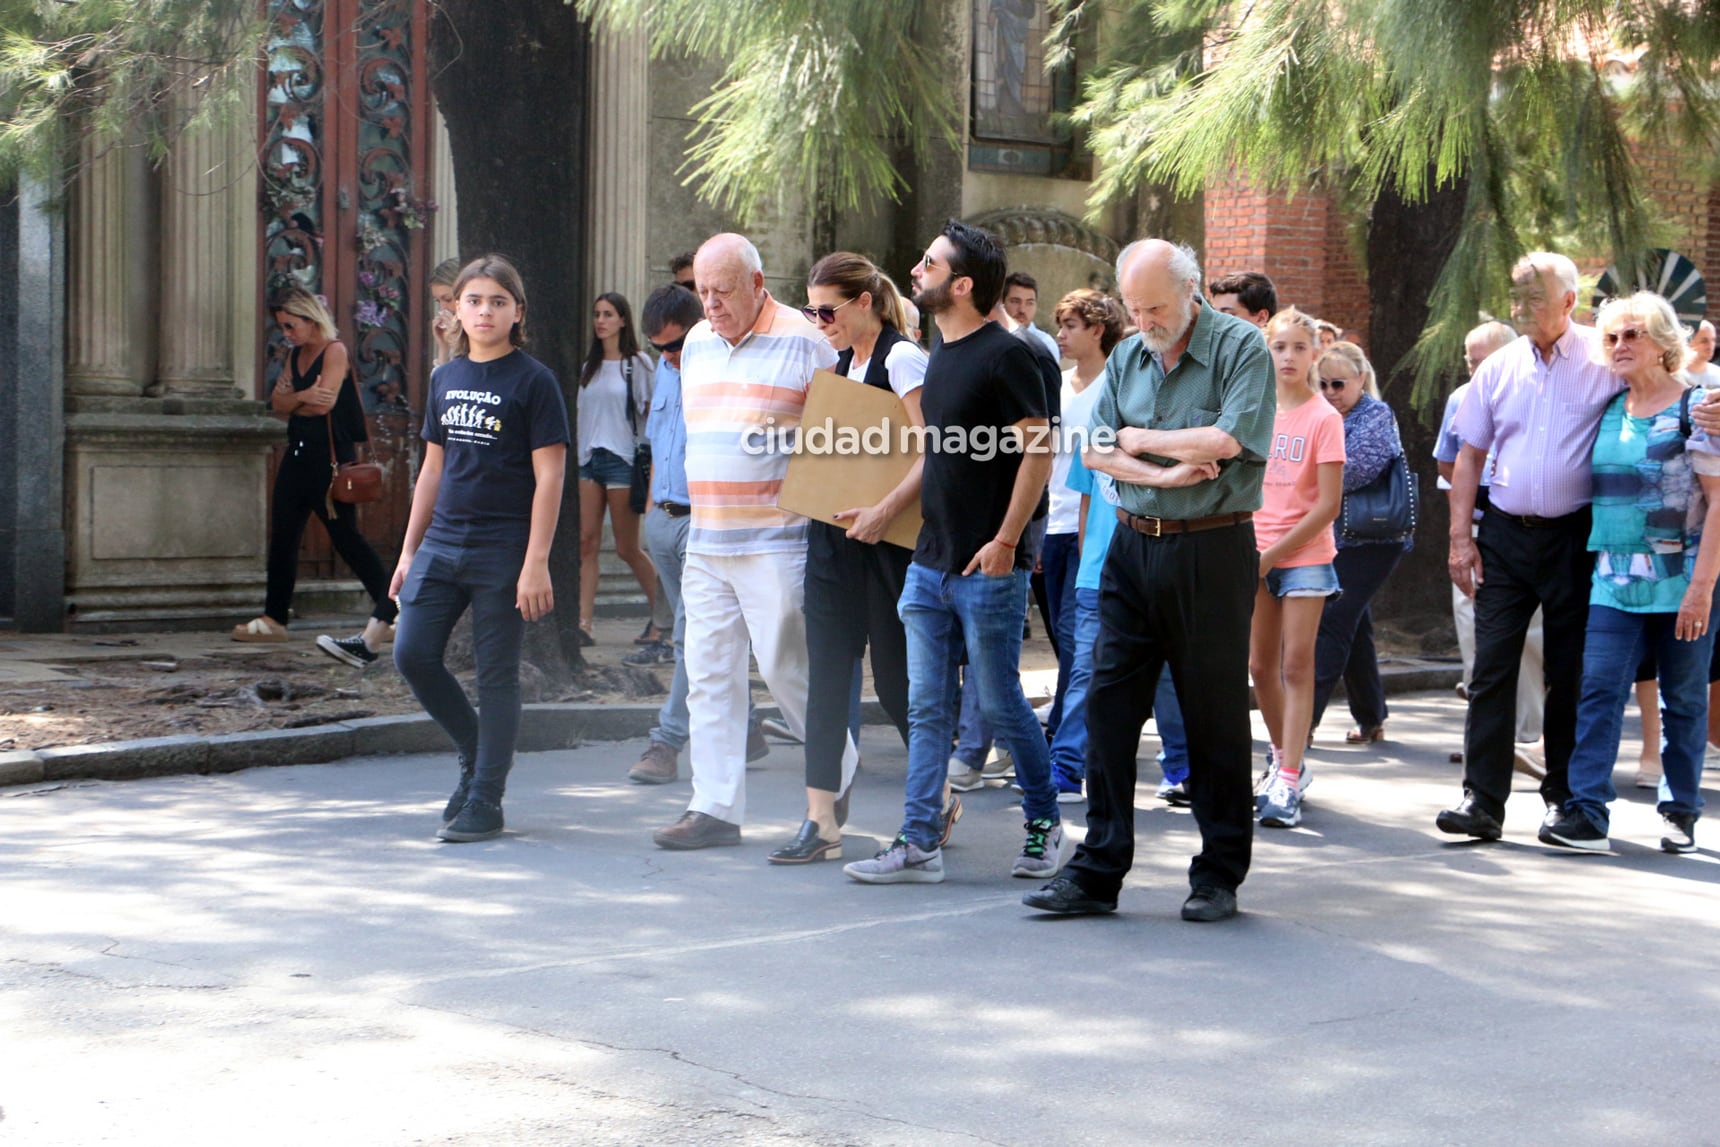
901, 863
1001, 765
1045, 852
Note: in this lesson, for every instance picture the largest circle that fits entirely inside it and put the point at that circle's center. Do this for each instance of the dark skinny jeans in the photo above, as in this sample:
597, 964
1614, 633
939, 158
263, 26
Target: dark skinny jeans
444, 580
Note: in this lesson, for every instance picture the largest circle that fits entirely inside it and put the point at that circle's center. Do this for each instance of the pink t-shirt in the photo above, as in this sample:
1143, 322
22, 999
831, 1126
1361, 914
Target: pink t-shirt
1301, 440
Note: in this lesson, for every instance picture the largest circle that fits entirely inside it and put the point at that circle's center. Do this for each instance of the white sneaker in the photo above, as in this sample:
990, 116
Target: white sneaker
1283, 803
1043, 712
964, 779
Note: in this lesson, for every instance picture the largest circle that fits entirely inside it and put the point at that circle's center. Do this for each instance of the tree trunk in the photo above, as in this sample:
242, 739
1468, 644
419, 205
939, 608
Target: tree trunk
511, 82
1408, 243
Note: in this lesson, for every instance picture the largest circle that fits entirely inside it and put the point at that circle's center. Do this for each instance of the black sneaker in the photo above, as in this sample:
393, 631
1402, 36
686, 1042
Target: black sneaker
478, 819
1678, 832
1573, 830
351, 650
457, 801
1208, 903
657, 653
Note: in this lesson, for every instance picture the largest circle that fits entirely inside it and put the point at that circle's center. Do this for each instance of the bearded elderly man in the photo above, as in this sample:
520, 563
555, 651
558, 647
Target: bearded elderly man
746, 366
1191, 400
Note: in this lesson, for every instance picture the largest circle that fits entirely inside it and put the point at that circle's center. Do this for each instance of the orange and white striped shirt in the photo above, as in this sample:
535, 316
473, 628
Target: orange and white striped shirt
731, 394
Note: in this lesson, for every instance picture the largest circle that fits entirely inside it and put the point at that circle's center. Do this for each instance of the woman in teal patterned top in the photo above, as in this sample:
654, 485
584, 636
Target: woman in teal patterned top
1656, 492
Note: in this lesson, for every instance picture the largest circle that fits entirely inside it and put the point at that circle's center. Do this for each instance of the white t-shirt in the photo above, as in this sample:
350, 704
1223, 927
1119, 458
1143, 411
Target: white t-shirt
1065, 514
1707, 376
905, 364
603, 409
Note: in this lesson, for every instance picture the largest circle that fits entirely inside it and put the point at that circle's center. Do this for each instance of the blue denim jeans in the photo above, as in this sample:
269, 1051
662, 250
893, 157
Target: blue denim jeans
1173, 738
941, 614
1061, 560
1069, 744
1614, 646
442, 583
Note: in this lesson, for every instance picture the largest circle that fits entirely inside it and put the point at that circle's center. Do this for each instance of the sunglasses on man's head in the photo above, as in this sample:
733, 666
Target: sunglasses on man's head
1623, 335
667, 348
824, 314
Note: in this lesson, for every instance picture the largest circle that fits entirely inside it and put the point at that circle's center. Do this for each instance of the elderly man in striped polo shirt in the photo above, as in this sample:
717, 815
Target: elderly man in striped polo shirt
746, 366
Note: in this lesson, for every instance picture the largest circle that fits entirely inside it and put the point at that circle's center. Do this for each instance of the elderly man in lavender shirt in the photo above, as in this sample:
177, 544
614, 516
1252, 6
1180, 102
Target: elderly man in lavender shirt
1536, 405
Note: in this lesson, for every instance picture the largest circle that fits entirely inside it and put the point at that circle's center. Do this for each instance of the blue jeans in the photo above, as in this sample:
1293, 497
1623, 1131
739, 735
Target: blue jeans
665, 539
441, 584
942, 613
1061, 560
1615, 644
1173, 738
1069, 744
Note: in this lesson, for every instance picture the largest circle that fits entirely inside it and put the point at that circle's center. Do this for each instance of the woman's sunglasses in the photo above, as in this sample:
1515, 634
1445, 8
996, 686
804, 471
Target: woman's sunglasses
667, 348
1623, 335
1334, 383
824, 314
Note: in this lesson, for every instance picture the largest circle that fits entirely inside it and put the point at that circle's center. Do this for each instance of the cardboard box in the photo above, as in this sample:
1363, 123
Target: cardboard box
851, 454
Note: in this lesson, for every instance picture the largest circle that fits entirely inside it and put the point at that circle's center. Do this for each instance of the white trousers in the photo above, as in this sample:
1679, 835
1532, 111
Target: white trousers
731, 601
1531, 682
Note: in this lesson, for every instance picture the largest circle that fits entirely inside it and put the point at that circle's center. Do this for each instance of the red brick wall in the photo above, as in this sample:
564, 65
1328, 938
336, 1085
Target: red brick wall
1302, 244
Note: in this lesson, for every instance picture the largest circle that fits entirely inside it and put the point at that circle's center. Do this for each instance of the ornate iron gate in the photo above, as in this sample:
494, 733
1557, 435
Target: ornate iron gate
345, 164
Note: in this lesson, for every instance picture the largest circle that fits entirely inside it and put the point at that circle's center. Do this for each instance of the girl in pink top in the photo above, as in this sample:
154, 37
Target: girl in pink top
1293, 531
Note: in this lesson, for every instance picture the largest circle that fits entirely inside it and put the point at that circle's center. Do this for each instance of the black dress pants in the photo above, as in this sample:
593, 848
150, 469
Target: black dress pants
851, 592
301, 489
1524, 567
1185, 600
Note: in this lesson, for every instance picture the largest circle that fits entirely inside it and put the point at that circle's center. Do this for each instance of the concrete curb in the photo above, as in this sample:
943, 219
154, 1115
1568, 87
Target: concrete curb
543, 727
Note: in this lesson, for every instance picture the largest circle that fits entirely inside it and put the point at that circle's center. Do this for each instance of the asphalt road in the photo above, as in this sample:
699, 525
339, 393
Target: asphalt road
287, 956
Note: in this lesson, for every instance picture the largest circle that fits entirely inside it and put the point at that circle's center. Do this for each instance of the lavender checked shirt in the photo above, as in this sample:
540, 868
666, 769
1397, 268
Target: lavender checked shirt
1538, 417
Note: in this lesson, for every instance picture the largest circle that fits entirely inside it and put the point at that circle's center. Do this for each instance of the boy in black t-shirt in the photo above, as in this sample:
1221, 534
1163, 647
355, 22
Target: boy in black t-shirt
483, 516
967, 586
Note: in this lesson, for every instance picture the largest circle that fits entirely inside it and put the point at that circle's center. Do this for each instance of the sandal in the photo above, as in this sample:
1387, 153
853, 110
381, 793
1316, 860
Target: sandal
260, 630
651, 635
1366, 736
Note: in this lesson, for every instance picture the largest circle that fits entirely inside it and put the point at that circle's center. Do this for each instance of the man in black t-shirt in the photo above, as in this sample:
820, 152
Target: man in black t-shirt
967, 586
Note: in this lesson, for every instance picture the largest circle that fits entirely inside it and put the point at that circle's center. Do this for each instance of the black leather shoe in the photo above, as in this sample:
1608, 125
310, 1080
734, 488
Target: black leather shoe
1208, 903
1067, 898
806, 847
1469, 819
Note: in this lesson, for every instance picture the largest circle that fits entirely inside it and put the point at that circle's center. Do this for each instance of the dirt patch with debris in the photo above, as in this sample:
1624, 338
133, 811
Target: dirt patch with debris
122, 700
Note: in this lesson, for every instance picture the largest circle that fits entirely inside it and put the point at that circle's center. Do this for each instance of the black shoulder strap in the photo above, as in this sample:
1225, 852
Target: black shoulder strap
1684, 425
627, 380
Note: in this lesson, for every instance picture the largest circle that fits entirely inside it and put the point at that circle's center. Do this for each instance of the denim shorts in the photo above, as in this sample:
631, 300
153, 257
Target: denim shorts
1302, 581
608, 469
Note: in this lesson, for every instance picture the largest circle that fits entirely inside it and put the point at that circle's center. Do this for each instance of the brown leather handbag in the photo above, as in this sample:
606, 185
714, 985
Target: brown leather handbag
352, 482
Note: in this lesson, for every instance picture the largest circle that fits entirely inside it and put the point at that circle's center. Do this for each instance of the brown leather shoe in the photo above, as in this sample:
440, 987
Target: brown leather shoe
657, 767
697, 830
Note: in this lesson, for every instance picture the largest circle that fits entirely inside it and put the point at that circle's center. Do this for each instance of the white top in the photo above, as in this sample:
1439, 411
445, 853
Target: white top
1707, 376
1065, 514
603, 409
905, 364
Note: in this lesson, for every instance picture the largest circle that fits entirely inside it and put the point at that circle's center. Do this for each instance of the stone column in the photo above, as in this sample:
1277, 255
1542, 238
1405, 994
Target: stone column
620, 159
204, 183
445, 224
111, 339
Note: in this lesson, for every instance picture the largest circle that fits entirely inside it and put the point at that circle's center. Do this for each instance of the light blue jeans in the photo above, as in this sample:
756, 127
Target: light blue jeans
942, 614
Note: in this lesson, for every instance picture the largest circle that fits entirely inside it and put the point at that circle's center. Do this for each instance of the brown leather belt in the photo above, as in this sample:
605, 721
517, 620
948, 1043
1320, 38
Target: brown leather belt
1159, 527
675, 509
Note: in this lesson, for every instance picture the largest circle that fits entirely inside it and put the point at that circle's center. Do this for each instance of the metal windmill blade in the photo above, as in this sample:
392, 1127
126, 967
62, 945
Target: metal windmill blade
1669, 275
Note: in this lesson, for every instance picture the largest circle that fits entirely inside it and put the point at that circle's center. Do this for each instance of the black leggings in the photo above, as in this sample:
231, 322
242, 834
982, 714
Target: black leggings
850, 603
301, 489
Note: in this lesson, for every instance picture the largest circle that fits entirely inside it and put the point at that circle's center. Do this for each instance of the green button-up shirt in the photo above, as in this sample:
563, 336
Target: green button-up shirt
1223, 379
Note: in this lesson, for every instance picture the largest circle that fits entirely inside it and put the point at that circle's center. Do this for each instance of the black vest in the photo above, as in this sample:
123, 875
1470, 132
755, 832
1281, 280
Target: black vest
877, 373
